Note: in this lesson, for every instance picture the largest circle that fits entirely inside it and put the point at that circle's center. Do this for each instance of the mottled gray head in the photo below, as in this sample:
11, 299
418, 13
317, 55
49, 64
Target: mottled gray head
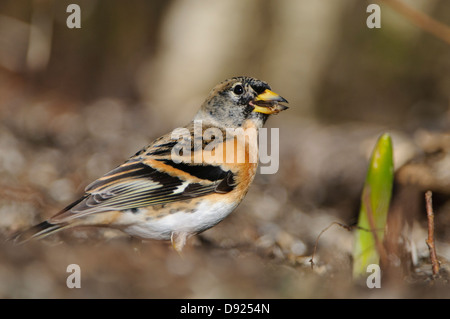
236, 100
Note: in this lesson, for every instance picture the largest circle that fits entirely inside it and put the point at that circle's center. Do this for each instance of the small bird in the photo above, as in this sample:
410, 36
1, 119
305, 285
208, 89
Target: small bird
180, 184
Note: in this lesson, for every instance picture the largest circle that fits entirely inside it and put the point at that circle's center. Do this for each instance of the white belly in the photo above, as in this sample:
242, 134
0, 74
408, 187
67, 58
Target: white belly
205, 217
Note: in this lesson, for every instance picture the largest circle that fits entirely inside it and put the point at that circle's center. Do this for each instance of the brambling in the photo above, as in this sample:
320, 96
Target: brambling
156, 195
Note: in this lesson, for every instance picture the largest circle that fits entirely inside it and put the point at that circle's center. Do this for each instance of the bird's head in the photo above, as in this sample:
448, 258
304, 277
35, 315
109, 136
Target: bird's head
234, 101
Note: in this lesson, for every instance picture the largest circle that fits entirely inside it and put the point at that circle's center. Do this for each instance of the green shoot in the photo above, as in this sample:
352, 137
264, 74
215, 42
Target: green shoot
375, 199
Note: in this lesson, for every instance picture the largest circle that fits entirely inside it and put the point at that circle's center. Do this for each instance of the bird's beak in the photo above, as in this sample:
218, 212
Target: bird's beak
267, 103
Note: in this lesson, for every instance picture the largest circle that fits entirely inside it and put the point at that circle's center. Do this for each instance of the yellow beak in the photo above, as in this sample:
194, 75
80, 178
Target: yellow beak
267, 103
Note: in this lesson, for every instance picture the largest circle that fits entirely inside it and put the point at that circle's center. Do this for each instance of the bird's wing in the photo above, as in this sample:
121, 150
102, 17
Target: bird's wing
149, 178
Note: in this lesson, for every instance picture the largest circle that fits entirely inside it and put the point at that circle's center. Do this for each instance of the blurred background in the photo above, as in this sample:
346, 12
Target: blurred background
75, 103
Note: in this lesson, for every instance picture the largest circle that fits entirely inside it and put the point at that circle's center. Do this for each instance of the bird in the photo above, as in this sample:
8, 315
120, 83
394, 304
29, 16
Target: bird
184, 182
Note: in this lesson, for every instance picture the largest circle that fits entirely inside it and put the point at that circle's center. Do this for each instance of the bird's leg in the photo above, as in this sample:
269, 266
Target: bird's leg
178, 241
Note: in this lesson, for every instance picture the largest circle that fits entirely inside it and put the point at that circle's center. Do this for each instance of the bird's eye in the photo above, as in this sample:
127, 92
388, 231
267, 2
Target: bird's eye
238, 89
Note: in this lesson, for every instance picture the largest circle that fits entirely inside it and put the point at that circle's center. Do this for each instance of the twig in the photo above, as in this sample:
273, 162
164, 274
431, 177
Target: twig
430, 239
346, 227
420, 19
349, 228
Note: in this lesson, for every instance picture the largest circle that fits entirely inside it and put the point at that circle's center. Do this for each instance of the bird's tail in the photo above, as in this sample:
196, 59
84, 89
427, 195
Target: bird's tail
37, 232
